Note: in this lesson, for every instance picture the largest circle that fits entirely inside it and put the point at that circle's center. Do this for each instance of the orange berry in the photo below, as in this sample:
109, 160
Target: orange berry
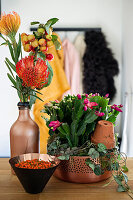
43, 49
50, 43
27, 47
48, 37
42, 42
31, 38
34, 44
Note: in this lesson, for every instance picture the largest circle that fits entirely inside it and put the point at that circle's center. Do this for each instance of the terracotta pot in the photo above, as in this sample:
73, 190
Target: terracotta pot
104, 133
75, 170
24, 133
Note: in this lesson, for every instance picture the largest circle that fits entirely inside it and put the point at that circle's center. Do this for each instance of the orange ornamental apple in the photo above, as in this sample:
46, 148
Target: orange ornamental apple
31, 38
42, 42
24, 39
50, 43
49, 37
44, 49
27, 47
34, 44
41, 30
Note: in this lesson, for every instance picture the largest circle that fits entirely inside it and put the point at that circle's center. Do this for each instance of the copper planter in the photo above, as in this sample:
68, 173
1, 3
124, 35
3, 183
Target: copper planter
75, 170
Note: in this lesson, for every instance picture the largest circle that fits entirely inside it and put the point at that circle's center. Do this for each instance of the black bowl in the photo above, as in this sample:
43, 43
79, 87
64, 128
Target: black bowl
34, 180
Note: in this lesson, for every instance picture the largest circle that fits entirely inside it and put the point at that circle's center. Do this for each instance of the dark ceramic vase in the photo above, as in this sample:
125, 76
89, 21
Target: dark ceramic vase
24, 133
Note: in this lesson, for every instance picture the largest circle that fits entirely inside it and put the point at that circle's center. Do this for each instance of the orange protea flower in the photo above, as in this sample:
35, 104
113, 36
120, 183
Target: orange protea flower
33, 75
9, 24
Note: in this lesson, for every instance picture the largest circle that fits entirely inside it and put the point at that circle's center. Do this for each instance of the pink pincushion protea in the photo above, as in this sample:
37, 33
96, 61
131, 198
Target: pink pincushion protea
33, 75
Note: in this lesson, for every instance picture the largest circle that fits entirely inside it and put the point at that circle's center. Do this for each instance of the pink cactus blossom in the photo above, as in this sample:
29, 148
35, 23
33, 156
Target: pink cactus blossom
79, 96
85, 108
107, 95
86, 101
86, 95
57, 101
120, 105
54, 124
99, 114
115, 107
91, 104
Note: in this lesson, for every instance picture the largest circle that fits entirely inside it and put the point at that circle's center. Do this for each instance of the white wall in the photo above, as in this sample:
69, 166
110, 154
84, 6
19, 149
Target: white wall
72, 13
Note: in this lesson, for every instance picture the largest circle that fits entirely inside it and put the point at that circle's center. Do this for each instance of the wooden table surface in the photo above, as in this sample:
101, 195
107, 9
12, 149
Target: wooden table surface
11, 189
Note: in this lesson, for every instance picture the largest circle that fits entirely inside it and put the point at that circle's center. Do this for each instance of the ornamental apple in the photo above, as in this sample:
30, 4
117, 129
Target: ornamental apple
42, 42
34, 44
31, 38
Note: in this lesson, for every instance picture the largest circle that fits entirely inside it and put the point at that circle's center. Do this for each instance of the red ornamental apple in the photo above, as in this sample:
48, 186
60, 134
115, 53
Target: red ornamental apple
49, 37
49, 56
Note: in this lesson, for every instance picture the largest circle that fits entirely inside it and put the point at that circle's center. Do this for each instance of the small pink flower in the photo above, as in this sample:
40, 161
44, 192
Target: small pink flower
115, 107
85, 108
91, 104
79, 96
107, 95
120, 105
86, 101
86, 95
57, 101
118, 109
93, 95
97, 113
54, 124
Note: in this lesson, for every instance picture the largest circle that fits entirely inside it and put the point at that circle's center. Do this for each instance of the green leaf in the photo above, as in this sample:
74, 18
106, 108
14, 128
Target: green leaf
121, 188
62, 131
62, 157
66, 128
92, 166
112, 118
101, 148
93, 153
124, 168
54, 37
18, 86
57, 45
33, 23
37, 97
19, 46
9, 69
82, 129
4, 43
52, 21
11, 50
60, 114
118, 180
103, 103
11, 64
32, 99
41, 55
98, 170
11, 79
90, 117
125, 177
50, 75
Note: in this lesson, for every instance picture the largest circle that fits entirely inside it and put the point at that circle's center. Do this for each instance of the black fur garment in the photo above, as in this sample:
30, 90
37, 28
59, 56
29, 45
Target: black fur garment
99, 65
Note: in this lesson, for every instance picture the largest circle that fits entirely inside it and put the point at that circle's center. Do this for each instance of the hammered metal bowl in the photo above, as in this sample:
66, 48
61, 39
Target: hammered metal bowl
75, 170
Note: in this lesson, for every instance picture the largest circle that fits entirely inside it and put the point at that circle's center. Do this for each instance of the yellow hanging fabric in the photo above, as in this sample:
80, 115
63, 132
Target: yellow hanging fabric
55, 90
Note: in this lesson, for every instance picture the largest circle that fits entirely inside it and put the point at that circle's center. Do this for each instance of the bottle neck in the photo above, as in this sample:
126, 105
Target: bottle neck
24, 114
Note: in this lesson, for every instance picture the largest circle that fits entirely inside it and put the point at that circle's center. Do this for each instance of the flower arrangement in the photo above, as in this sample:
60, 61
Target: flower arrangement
32, 73
71, 124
